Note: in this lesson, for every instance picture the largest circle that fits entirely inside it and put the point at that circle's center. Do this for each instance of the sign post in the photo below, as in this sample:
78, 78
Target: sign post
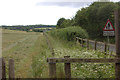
108, 39
108, 30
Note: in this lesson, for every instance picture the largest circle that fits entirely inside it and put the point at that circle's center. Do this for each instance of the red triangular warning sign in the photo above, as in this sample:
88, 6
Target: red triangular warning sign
108, 26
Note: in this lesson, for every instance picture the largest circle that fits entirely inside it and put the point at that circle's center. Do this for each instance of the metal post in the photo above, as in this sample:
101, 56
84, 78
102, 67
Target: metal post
108, 42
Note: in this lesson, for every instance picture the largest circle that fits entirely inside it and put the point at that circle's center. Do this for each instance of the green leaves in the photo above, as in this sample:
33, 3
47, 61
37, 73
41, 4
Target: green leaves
60, 21
69, 33
92, 18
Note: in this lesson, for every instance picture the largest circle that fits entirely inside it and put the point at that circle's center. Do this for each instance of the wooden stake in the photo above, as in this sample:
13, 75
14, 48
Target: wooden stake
95, 45
11, 69
105, 47
3, 69
87, 44
117, 41
82, 42
52, 70
0, 68
67, 68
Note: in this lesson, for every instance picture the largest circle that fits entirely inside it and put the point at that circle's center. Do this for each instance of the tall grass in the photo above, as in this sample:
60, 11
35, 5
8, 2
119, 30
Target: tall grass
79, 70
69, 33
83, 70
39, 62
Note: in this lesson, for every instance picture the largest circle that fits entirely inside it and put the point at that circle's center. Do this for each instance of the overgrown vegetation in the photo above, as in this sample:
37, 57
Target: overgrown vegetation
79, 70
92, 19
69, 33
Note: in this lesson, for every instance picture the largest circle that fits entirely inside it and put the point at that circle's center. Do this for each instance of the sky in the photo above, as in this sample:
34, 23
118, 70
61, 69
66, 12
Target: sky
31, 12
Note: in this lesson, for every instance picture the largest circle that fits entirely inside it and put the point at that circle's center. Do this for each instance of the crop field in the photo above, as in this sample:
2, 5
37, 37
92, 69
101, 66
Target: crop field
30, 52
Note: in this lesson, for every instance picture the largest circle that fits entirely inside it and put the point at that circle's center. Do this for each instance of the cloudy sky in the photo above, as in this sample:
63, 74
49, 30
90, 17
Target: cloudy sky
30, 12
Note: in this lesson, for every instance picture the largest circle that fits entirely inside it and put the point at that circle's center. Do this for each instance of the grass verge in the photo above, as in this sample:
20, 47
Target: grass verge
79, 70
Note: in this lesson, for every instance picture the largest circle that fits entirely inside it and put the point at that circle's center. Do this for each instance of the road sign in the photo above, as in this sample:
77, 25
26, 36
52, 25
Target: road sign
108, 26
108, 33
108, 30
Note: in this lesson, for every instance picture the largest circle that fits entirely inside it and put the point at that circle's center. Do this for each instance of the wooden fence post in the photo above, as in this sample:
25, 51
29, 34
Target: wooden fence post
11, 69
3, 69
87, 44
82, 42
105, 47
52, 70
95, 43
117, 41
67, 68
0, 68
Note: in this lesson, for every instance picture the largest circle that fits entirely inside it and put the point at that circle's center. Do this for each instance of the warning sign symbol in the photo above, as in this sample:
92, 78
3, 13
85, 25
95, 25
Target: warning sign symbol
108, 26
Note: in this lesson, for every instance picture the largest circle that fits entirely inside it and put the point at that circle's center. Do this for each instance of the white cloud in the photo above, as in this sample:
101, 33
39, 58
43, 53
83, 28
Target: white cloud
64, 4
75, 0
26, 12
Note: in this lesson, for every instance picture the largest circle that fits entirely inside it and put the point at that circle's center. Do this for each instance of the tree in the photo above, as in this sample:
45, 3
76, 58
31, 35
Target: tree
92, 18
81, 18
60, 21
66, 23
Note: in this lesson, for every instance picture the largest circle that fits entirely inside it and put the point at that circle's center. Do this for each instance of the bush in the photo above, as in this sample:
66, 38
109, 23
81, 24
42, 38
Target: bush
69, 33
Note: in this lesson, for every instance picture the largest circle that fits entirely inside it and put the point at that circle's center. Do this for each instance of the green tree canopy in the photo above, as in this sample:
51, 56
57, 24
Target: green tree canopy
60, 21
92, 18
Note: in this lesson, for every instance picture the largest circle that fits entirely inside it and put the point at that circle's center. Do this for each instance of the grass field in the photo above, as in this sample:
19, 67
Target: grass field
18, 45
30, 52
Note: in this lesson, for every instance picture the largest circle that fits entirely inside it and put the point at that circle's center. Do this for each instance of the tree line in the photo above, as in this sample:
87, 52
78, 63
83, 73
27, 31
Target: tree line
92, 18
27, 27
